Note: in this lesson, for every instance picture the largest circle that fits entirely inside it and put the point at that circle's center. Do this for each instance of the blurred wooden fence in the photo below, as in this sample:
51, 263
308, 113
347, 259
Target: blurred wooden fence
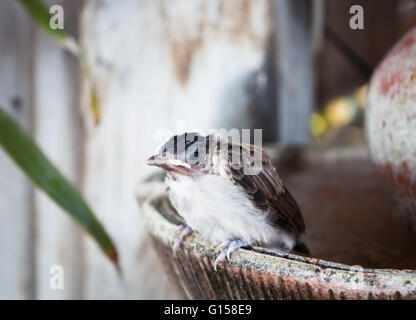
156, 65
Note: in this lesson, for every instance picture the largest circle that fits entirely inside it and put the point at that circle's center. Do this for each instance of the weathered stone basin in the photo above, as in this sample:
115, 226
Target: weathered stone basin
358, 249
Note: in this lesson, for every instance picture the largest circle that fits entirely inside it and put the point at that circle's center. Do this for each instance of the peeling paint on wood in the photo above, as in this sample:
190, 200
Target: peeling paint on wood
188, 31
164, 64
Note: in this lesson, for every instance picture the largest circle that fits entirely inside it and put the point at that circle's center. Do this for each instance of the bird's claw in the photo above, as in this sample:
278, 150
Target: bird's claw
228, 247
185, 231
223, 245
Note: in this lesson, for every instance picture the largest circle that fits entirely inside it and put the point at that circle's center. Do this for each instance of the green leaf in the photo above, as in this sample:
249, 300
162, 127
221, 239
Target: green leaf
41, 15
23, 150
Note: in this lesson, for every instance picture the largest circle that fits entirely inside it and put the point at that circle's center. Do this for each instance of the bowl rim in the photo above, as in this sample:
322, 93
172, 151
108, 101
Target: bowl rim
151, 210
327, 275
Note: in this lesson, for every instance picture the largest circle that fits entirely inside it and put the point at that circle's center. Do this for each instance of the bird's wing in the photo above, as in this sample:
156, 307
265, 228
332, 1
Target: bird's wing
265, 188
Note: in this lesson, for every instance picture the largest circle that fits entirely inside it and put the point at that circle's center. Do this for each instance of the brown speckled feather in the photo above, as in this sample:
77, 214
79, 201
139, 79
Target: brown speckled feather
266, 190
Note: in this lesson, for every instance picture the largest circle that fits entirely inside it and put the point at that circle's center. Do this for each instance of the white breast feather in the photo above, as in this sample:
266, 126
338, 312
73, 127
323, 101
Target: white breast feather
221, 211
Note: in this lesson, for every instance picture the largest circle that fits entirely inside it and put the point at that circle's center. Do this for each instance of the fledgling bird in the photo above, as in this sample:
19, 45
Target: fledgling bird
208, 186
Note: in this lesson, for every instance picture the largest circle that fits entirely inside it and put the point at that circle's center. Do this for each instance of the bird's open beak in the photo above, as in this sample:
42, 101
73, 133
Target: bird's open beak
152, 161
170, 164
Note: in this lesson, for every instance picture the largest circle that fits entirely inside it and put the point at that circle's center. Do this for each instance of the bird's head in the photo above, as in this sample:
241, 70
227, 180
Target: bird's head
184, 155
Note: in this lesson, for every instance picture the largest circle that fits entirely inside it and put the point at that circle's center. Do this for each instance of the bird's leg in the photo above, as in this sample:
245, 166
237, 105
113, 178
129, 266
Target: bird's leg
228, 247
185, 231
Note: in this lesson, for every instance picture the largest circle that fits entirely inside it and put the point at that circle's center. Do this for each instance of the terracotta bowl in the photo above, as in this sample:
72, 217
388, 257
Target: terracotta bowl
391, 124
358, 250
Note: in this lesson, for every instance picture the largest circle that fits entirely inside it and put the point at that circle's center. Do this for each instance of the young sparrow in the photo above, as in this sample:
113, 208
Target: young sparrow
211, 187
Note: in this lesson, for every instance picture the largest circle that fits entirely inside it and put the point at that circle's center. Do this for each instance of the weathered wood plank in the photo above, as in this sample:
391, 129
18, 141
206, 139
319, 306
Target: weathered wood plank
157, 64
294, 69
16, 216
57, 129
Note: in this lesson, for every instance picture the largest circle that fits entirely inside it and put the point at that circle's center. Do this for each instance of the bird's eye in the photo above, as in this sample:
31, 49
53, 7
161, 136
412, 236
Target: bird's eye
196, 153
